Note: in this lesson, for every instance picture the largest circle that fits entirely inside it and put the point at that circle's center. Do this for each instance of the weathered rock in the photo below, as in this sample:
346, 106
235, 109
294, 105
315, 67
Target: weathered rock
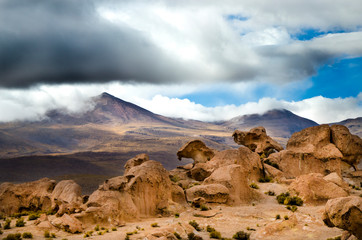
212, 193
197, 202
144, 191
68, 223
67, 197
178, 194
200, 171
336, 179
257, 141
137, 160
248, 160
309, 150
234, 178
197, 150
32, 196
345, 213
350, 145
312, 188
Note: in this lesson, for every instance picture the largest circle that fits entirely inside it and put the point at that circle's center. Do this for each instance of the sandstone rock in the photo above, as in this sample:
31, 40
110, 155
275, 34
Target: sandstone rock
312, 188
349, 145
274, 173
197, 202
234, 178
212, 193
67, 197
68, 223
178, 195
248, 160
137, 160
200, 171
144, 191
257, 141
336, 179
31, 196
197, 150
345, 213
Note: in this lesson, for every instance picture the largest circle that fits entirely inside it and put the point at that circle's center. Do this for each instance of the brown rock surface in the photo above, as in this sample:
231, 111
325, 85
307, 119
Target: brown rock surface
67, 197
200, 171
197, 150
257, 141
336, 179
32, 196
350, 145
234, 178
212, 193
312, 188
137, 160
68, 223
345, 213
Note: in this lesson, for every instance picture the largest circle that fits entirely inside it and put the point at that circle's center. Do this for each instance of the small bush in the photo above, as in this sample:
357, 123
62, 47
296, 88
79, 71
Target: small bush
33, 216
177, 215
270, 193
174, 178
254, 185
100, 233
292, 208
16, 236
7, 223
96, 228
286, 217
1, 232
20, 222
27, 235
193, 236
47, 234
204, 208
178, 236
210, 229
241, 235
195, 225
286, 199
155, 225
114, 229
335, 238
127, 237
265, 179
277, 216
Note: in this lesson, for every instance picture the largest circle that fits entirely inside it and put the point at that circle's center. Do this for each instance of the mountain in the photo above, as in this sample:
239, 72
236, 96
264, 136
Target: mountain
279, 123
354, 125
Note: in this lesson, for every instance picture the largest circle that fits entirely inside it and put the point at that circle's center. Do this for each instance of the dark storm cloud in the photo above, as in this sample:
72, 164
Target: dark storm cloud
61, 41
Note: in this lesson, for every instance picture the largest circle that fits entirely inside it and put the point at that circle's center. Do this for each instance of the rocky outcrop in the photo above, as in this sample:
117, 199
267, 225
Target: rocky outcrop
350, 145
309, 150
200, 171
233, 178
67, 197
30, 196
312, 188
257, 141
197, 150
345, 213
137, 160
68, 223
145, 190
212, 193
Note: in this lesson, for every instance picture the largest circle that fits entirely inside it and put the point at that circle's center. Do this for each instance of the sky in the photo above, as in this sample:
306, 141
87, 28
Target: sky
205, 60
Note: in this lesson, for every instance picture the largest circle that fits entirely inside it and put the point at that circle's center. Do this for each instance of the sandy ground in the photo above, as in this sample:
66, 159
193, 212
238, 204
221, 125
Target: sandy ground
258, 219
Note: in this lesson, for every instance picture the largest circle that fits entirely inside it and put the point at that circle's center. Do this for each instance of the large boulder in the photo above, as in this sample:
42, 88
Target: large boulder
197, 150
66, 197
212, 193
234, 178
144, 191
200, 171
68, 223
312, 188
257, 141
309, 150
30, 196
350, 145
345, 213
137, 160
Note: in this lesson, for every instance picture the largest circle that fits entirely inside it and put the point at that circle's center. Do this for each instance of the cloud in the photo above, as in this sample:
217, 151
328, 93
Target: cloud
163, 42
34, 103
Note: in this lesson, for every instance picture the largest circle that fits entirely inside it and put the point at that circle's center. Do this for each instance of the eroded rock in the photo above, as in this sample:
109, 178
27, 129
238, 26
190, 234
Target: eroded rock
212, 193
197, 150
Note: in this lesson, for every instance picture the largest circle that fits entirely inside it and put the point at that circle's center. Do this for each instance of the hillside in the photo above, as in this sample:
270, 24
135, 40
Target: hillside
354, 125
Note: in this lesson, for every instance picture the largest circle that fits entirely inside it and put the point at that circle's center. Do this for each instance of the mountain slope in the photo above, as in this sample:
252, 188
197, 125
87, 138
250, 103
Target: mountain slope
353, 124
279, 123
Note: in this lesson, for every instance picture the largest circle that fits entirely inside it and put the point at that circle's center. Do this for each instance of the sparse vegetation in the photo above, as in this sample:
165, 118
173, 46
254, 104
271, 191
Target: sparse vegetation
286, 199
7, 223
193, 236
33, 216
177, 215
1, 232
13, 236
270, 193
27, 235
174, 178
154, 225
254, 185
241, 235
195, 225
96, 228
114, 229
20, 222
265, 179
215, 234
286, 217
88, 234
277, 216
204, 208
292, 208
335, 238
47, 234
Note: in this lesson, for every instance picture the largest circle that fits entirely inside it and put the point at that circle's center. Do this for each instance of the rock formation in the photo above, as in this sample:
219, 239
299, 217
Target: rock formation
257, 141
197, 150
312, 188
345, 213
318, 149
66, 197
